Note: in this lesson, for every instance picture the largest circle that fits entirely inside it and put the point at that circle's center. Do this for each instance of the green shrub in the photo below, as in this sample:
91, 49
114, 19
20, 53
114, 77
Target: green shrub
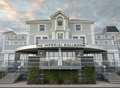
2, 74
89, 75
33, 75
61, 76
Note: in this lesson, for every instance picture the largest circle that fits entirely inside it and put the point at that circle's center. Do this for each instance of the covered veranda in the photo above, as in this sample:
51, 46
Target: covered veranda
61, 57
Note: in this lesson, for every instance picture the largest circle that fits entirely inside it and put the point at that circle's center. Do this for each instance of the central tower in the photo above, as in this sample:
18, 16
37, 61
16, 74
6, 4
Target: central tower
60, 25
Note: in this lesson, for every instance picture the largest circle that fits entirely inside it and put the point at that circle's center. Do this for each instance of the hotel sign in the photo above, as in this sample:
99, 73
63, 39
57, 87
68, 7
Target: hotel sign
60, 45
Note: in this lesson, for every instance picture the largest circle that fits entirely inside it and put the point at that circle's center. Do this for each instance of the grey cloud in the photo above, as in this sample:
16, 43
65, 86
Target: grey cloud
103, 12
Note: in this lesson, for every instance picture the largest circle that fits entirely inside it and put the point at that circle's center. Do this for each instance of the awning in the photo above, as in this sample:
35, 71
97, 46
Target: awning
35, 48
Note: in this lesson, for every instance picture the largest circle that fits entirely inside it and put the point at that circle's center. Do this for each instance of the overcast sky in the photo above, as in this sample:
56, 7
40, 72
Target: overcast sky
13, 13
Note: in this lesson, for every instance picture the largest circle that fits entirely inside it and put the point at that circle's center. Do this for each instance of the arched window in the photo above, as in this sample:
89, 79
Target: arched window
59, 21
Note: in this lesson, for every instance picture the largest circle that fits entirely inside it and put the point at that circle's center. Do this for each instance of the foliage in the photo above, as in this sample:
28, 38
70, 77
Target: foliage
2, 74
89, 75
33, 75
61, 76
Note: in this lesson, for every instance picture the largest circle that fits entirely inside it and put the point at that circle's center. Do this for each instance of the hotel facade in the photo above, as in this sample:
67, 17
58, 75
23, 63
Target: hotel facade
57, 43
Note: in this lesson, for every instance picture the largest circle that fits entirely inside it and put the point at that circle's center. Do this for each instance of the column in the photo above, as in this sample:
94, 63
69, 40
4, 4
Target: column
17, 60
105, 63
60, 57
105, 59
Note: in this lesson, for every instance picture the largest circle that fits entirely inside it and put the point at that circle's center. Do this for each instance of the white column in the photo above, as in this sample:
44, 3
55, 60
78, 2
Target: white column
60, 57
6, 59
93, 33
53, 35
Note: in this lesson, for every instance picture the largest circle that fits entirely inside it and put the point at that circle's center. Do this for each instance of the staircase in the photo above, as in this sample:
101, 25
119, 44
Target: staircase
10, 78
112, 78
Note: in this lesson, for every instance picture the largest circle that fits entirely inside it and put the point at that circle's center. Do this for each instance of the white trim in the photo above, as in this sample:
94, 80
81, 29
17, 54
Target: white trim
3, 43
93, 33
55, 24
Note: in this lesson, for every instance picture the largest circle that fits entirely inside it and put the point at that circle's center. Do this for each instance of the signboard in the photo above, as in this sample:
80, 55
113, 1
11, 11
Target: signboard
60, 45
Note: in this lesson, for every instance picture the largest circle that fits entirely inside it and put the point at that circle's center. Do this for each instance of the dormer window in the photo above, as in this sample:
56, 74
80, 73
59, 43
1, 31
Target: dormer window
59, 21
42, 27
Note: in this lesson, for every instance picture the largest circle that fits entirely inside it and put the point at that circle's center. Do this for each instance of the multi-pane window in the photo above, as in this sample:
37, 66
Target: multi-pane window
60, 35
75, 37
78, 27
98, 37
42, 27
82, 39
44, 37
37, 39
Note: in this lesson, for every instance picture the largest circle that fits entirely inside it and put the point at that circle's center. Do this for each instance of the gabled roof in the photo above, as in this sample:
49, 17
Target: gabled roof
111, 29
9, 30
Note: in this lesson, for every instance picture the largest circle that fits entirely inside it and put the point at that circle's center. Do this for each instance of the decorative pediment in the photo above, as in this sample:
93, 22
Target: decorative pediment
59, 13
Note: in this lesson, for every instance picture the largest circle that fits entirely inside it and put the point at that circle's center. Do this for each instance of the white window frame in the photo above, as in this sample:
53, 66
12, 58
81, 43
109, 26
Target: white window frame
41, 37
35, 38
79, 37
57, 35
80, 28
39, 27
44, 36
75, 36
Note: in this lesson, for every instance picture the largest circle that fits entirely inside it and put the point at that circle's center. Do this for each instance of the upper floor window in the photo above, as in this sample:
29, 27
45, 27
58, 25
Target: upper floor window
75, 37
82, 39
78, 27
60, 36
44, 37
98, 37
38, 39
59, 21
42, 27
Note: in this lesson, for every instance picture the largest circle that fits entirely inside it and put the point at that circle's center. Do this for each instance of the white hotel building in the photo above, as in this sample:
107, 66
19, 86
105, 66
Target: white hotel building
57, 43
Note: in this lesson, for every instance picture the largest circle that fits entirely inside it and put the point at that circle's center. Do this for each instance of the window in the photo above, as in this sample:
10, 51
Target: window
106, 36
98, 37
60, 35
60, 21
78, 27
106, 42
42, 27
44, 37
23, 37
83, 39
96, 42
75, 37
38, 39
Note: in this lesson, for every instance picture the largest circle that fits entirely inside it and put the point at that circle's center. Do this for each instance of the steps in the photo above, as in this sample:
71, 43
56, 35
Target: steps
112, 78
10, 78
